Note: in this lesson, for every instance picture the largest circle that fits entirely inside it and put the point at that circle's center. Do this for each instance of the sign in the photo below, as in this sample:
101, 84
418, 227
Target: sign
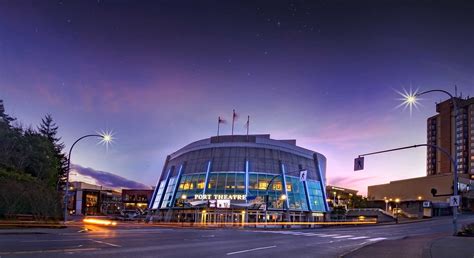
212, 203
223, 204
303, 174
454, 201
426, 204
241, 197
359, 163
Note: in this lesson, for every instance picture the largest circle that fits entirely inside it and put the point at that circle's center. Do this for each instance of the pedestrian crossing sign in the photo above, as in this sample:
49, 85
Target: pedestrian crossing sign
454, 201
359, 163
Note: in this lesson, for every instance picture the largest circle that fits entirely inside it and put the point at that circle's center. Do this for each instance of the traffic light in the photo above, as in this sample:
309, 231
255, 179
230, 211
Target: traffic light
434, 191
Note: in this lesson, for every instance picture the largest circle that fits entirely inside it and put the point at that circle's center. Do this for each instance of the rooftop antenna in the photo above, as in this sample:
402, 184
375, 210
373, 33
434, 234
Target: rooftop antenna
455, 90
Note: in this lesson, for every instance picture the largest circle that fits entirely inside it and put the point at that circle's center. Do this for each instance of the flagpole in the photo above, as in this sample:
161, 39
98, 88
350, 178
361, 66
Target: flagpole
233, 119
248, 125
218, 124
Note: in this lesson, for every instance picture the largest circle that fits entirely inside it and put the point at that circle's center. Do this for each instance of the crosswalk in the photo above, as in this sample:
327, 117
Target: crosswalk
333, 236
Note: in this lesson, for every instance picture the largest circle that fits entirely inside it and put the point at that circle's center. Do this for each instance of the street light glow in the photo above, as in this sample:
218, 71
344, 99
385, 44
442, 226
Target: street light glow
107, 138
409, 99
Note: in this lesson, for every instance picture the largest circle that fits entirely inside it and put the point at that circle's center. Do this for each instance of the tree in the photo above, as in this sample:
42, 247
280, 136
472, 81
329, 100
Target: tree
49, 129
4, 118
30, 163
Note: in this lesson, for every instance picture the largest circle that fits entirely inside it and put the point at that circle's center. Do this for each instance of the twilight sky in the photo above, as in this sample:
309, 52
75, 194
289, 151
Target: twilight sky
158, 73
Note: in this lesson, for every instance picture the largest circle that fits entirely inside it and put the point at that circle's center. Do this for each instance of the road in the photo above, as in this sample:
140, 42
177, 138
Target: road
132, 240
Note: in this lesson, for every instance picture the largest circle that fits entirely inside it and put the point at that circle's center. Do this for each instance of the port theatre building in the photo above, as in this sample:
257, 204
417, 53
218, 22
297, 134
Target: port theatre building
241, 178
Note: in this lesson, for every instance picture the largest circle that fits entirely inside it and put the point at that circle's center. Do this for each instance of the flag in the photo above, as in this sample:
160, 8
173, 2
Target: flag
247, 125
234, 118
219, 122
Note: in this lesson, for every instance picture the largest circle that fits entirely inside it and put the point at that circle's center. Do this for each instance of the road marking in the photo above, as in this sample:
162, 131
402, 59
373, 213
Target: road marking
330, 235
105, 243
253, 249
50, 251
54, 240
335, 236
377, 239
310, 234
360, 237
345, 236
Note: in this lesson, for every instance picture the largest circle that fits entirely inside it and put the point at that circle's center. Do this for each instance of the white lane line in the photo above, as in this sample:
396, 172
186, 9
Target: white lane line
297, 233
50, 251
54, 240
105, 243
345, 236
329, 235
310, 234
253, 249
377, 239
359, 237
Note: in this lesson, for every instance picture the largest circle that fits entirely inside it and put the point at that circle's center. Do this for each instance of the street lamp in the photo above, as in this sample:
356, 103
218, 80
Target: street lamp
411, 100
386, 205
397, 211
106, 138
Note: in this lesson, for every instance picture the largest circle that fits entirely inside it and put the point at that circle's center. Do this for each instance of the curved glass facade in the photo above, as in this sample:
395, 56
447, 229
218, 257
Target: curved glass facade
252, 175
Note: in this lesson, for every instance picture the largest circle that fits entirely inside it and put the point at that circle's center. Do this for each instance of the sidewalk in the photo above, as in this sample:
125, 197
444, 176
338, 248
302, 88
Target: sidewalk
431, 246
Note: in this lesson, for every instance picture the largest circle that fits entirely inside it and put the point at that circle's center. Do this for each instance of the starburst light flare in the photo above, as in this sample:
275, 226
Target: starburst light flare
107, 138
409, 99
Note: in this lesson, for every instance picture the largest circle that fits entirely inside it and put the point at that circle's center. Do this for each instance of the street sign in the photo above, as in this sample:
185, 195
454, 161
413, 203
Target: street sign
303, 175
358, 163
454, 201
426, 204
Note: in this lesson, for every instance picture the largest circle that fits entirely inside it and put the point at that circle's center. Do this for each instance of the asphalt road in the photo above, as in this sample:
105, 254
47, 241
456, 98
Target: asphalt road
132, 240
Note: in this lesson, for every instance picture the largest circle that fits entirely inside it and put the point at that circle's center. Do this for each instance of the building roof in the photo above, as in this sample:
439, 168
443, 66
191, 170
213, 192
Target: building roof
254, 140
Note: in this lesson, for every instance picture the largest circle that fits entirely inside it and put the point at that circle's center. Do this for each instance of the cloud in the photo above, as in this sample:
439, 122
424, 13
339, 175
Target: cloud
106, 179
345, 181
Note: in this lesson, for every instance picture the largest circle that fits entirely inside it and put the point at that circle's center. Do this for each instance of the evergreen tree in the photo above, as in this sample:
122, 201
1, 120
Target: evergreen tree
3, 116
49, 129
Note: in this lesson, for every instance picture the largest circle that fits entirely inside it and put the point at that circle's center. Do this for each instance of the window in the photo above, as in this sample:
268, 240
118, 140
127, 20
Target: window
262, 185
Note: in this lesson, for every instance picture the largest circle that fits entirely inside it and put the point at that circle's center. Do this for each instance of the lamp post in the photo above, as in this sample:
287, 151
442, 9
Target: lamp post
106, 138
397, 211
283, 197
411, 100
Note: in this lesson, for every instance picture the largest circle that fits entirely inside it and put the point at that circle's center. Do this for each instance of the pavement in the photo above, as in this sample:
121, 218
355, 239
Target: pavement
143, 240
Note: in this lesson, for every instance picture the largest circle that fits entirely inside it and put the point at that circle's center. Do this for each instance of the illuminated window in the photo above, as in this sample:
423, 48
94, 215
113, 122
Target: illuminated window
262, 185
288, 187
277, 186
200, 185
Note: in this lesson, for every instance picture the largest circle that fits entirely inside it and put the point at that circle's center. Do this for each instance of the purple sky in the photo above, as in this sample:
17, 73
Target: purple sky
159, 73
